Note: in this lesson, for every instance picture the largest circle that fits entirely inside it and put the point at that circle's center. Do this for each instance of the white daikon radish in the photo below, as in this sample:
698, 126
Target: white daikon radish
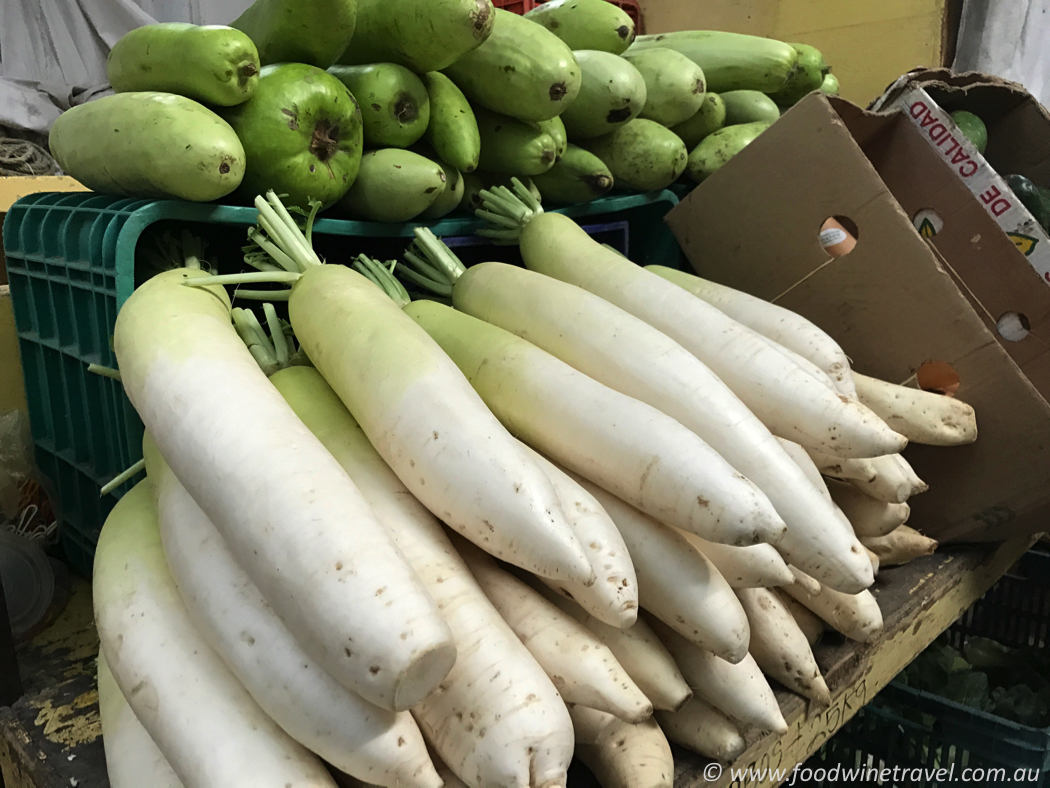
875, 561
804, 581
626, 354
739, 691
496, 719
917, 484
416, 407
637, 649
801, 458
582, 668
613, 597
902, 545
780, 647
205, 723
759, 565
892, 484
868, 516
839, 468
622, 755
809, 622
921, 416
447, 776
700, 727
775, 322
294, 521
132, 757
676, 583
627, 447
790, 401
373, 744
857, 616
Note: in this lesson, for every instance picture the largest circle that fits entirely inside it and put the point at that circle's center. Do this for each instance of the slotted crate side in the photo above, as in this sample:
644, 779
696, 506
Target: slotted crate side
71, 265
911, 729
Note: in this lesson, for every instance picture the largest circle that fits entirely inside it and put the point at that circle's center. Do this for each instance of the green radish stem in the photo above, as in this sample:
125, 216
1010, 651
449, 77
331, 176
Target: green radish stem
279, 249
122, 477
383, 277
103, 371
508, 210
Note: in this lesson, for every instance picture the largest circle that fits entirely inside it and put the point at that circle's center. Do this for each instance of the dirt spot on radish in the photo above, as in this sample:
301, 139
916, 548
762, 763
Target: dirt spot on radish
401, 741
621, 743
702, 501
595, 546
379, 591
435, 435
374, 670
338, 565
645, 474
517, 487
489, 525
247, 638
348, 653
411, 463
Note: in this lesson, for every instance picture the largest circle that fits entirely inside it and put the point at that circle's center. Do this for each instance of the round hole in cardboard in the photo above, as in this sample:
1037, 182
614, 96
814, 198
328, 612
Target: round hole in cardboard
938, 377
1013, 326
927, 222
838, 235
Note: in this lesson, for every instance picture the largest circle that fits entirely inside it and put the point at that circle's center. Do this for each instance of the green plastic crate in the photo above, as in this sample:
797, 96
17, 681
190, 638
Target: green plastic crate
911, 729
71, 266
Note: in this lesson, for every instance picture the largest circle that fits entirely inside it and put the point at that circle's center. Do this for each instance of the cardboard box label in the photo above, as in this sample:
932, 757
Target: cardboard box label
940, 131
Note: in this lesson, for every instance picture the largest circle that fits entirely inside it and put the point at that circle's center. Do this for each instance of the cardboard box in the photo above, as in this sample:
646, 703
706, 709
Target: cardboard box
1018, 143
897, 300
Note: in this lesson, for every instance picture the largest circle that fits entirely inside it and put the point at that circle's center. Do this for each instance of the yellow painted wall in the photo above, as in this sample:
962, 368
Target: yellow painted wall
12, 389
869, 43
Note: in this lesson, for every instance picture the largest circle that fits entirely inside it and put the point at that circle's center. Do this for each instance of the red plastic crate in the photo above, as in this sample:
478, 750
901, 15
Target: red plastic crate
524, 6
516, 6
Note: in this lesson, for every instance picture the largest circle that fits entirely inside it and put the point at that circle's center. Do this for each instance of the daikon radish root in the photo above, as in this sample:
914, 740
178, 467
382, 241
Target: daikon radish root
295, 522
637, 649
446, 774
527, 741
622, 755
739, 691
700, 727
875, 560
838, 468
902, 545
613, 597
921, 416
205, 723
857, 616
373, 744
809, 622
917, 484
676, 583
627, 354
801, 458
582, 668
788, 399
893, 483
774, 322
804, 581
868, 516
417, 408
759, 565
132, 757
627, 447
780, 647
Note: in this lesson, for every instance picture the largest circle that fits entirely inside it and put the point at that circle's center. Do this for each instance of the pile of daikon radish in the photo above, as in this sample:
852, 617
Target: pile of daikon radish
578, 508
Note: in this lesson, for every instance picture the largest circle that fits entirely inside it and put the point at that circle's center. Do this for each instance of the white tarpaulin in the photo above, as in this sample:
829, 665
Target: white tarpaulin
53, 52
1009, 39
